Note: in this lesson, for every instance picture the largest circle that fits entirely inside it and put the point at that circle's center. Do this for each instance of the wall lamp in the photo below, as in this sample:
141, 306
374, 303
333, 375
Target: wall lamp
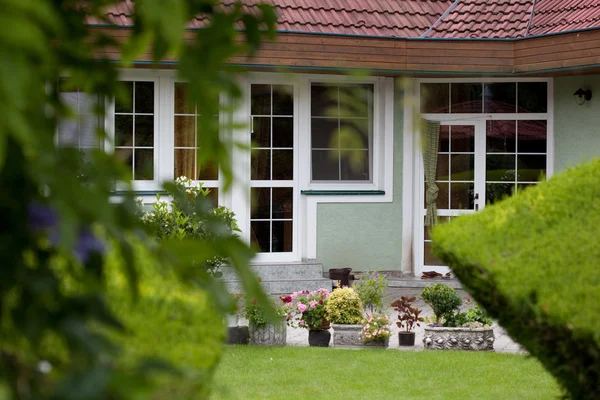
581, 96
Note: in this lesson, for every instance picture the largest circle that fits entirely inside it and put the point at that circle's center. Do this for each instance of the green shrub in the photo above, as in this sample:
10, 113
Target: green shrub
370, 289
442, 299
344, 307
532, 262
169, 321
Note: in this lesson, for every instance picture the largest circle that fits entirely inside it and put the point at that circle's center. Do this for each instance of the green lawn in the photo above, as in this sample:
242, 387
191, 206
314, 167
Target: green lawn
247, 372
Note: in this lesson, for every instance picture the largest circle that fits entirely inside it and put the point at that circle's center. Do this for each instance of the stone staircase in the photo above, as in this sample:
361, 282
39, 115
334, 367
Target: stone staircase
282, 278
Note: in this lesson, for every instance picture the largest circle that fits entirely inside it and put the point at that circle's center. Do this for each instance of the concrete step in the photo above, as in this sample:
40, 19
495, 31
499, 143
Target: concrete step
281, 271
283, 286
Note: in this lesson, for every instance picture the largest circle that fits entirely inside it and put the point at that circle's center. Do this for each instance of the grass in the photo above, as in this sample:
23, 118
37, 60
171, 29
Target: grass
248, 372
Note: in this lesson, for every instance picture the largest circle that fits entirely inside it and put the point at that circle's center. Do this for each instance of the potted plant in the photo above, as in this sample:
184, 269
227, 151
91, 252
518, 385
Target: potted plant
262, 331
307, 310
344, 310
233, 317
375, 330
408, 318
370, 288
453, 329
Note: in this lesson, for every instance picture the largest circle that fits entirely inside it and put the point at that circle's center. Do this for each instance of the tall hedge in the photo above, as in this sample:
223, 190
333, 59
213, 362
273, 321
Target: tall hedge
533, 262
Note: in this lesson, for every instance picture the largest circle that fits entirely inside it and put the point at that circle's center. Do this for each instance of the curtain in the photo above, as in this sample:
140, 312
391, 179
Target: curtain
430, 134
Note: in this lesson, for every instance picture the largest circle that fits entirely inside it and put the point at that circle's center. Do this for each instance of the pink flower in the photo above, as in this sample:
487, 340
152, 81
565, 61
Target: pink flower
313, 304
301, 307
301, 323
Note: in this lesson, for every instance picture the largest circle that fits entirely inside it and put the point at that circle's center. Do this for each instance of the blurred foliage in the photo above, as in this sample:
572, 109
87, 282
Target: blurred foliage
531, 262
51, 219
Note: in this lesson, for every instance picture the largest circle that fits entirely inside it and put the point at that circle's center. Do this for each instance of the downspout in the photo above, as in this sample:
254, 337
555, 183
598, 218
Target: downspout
439, 20
530, 18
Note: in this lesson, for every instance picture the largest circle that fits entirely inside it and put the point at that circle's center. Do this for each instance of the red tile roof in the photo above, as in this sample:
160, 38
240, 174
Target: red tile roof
418, 18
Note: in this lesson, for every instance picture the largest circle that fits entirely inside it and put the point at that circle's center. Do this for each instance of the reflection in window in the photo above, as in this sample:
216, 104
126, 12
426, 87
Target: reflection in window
341, 132
134, 129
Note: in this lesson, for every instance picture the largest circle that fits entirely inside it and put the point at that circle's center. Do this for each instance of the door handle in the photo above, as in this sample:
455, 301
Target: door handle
476, 201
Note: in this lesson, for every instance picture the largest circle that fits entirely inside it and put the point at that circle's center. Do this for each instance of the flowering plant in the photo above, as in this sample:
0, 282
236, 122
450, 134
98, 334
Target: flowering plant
307, 309
408, 316
255, 312
370, 288
375, 327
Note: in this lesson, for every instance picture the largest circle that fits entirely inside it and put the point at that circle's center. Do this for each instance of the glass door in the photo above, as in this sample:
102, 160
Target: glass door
272, 176
458, 177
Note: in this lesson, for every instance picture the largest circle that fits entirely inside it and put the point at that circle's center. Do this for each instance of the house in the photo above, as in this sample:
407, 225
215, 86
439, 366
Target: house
498, 76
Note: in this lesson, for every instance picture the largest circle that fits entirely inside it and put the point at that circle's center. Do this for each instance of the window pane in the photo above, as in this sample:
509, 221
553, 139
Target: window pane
461, 196
123, 130
325, 165
144, 97
260, 199
500, 97
500, 136
283, 132
323, 133
443, 167
463, 167
495, 192
532, 136
430, 258
181, 106
500, 168
435, 97
354, 133
443, 199
324, 100
260, 99
355, 100
261, 132
260, 235
355, 165
185, 128
283, 164
282, 236
144, 130
185, 163
444, 145
260, 168
283, 203
207, 172
144, 165
126, 157
463, 138
533, 97
531, 168
466, 98
283, 100
125, 104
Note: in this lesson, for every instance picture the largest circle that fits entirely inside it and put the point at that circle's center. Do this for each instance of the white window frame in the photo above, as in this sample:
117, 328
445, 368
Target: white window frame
413, 180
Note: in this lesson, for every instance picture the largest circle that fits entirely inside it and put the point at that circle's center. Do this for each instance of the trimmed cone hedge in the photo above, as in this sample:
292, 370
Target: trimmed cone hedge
533, 262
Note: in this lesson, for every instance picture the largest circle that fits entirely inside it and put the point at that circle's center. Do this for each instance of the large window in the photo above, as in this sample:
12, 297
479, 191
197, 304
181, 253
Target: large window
134, 129
341, 132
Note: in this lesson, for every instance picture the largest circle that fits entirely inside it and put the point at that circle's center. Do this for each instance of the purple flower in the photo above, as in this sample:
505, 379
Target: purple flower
87, 243
41, 217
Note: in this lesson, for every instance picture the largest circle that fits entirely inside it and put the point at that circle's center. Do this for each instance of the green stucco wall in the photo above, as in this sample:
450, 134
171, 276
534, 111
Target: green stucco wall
576, 128
365, 236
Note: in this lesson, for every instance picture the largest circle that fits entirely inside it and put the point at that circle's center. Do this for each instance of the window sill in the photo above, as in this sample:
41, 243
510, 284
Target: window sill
342, 192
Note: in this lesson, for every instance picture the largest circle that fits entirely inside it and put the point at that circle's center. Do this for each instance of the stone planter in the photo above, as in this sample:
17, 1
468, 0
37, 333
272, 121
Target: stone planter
319, 338
238, 335
477, 339
406, 338
269, 335
346, 335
